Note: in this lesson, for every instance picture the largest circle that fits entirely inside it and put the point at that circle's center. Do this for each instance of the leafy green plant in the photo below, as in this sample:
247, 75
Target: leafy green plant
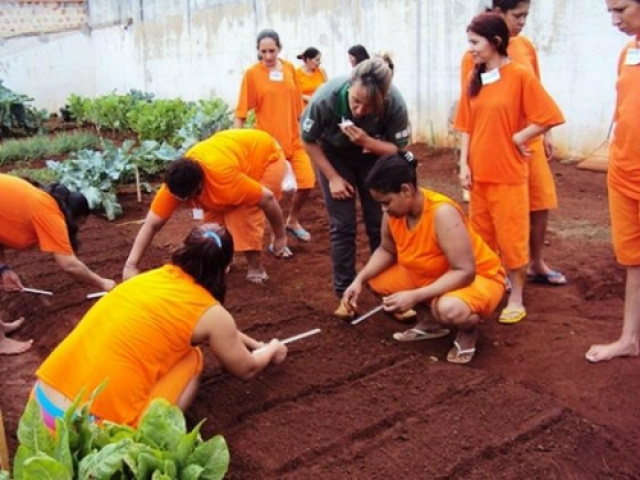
160, 448
40, 146
207, 117
110, 112
78, 109
159, 120
16, 117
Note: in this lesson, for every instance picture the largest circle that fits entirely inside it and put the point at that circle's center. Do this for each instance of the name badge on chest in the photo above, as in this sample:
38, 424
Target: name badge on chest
491, 76
276, 76
198, 214
633, 57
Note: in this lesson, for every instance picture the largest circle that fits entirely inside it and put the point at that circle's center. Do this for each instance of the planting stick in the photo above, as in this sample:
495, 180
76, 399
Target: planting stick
35, 290
138, 192
295, 338
96, 295
367, 315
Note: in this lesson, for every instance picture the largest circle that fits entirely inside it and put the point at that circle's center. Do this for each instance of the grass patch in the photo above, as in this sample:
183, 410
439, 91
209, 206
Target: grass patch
41, 175
41, 146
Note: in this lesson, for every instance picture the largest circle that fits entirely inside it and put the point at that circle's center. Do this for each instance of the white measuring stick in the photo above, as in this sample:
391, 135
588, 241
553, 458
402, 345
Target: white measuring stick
35, 290
96, 295
367, 315
295, 338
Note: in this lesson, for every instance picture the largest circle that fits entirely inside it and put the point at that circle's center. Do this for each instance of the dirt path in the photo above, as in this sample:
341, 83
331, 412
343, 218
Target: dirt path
351, 402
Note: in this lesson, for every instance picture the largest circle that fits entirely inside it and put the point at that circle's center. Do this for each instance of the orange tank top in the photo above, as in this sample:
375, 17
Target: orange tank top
131, 337
418, 249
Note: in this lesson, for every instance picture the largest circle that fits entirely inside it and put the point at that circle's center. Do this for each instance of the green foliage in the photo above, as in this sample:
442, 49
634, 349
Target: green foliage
159, 120
40, 146
207, 117
16, 117
40, 175
97, 174
161, 448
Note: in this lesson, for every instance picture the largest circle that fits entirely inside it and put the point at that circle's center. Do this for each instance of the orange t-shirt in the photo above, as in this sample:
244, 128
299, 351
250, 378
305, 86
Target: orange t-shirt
522, 51
418, 249
30, 216
233, 161
309, 83
132, 337
276, 98
624, 151
501, 109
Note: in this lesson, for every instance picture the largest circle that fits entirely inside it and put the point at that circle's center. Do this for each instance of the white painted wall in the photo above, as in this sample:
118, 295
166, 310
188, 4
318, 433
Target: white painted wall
199, 49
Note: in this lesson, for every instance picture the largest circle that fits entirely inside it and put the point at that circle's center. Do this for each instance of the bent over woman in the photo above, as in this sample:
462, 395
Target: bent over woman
140, 338
48, 217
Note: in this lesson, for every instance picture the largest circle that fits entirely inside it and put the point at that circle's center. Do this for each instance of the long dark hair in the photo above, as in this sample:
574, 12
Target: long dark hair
73, 206
493, 28
391, 171
309, 53
205, 255
359, 53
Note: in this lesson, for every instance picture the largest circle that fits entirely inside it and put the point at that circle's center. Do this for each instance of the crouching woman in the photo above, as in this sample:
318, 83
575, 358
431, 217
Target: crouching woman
429, 256
140, 337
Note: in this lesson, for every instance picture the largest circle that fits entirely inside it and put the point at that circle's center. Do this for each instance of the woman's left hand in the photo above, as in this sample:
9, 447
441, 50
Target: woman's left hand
521, 144
399, 301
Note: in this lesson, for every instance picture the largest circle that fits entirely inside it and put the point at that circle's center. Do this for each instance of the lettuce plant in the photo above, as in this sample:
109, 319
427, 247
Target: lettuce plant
160, 448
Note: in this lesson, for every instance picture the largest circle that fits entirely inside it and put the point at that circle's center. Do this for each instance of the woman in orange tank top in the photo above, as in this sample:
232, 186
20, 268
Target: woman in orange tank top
139, 337
429, 259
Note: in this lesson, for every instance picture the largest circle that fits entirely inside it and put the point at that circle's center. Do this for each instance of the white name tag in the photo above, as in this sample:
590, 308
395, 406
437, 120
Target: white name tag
633, 57
276, 76
490, 77
198, 214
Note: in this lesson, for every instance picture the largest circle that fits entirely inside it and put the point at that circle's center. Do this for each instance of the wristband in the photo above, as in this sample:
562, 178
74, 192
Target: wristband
5, 268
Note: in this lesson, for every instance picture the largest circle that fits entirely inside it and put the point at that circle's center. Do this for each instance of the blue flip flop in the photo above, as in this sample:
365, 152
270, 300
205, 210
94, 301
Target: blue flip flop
300, 233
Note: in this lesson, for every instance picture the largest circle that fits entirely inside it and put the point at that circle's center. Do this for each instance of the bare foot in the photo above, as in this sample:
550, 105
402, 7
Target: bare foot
9, 327
600, 353
8, 346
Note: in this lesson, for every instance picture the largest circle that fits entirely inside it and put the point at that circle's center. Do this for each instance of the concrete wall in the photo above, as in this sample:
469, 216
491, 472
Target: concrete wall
199, 48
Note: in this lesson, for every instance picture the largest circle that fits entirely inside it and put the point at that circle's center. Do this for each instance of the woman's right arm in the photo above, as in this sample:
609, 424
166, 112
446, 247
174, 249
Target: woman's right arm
153, 223
269, 204
339, 187
78, 270
228, 344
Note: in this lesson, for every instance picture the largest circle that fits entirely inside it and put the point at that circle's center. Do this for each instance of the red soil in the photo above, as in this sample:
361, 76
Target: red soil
352, 403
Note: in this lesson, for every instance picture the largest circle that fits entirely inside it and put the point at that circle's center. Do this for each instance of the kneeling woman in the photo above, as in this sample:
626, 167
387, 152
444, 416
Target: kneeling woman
429, 256
140, 337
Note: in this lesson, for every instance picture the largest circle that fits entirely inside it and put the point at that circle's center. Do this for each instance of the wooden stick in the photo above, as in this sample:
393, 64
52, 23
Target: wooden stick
138, 192
4, 449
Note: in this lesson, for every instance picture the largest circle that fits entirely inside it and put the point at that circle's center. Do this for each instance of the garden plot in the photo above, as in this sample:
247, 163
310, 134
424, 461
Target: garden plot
350, 402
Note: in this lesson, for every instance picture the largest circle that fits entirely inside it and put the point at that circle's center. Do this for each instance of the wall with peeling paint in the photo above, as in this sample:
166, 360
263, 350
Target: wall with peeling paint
199, 48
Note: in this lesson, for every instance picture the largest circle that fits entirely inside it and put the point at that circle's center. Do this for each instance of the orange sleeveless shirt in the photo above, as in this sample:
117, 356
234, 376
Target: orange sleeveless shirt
131, 337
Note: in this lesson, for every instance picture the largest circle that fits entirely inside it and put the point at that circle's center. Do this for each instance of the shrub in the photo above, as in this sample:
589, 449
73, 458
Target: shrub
16, 117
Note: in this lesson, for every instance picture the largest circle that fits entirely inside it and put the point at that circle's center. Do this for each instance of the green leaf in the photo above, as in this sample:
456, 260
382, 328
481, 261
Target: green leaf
22, 455
4, 475
61, 450
147, 463
43, 467
157, 475
187, 444
106, 462
32, 432
162, 425
213, 455
191, 472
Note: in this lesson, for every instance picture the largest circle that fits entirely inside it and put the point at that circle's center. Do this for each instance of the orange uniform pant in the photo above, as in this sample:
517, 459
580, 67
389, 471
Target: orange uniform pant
542, 187
499, 213
482, 296
302, 167
625, 227
246, 223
